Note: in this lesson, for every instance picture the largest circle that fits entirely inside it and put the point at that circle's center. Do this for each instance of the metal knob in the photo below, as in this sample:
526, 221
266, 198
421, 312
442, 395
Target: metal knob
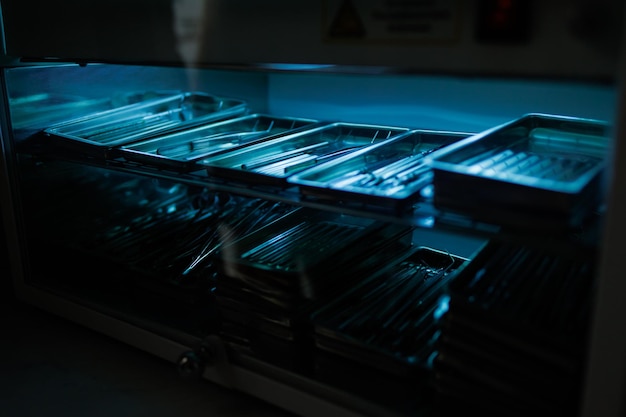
192, 363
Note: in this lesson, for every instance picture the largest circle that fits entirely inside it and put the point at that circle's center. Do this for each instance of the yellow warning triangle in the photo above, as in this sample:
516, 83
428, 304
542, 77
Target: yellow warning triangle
347, 22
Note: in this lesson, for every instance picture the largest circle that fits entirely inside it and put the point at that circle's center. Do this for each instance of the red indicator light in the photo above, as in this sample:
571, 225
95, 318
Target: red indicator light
503, 21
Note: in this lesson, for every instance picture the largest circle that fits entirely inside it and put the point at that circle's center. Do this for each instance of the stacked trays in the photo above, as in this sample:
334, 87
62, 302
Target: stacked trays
389, 174
180, 150
273, 161
512, 341
269, 279
539, 171
376, 339
97, 133
160, 229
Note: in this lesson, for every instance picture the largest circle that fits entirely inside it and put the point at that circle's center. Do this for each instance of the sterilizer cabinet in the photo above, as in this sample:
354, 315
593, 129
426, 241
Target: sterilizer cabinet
386, 208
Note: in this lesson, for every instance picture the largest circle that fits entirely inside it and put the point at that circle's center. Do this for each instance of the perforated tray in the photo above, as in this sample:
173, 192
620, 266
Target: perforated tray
537, 171
180, 150
97, 133
273, 161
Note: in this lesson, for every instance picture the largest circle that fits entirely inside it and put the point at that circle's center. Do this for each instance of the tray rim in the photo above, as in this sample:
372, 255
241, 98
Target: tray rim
126, 151
256, 177
58, 130
443, 168
314, 188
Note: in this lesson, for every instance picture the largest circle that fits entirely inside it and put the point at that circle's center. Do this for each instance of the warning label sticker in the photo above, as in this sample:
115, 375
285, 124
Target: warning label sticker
391, 20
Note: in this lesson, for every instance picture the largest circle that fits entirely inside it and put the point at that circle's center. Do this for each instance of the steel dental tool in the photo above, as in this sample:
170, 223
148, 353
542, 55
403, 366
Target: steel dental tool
278, 157
399, 172
197, 147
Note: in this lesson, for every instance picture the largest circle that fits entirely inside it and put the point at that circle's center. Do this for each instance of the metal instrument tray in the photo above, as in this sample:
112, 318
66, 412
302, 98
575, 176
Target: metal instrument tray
515, 329
297, 257
377, 338
97, 133
388, 174
527, 299
38, 111
180, 150
388, 320
537, 171
35, 112
272, 161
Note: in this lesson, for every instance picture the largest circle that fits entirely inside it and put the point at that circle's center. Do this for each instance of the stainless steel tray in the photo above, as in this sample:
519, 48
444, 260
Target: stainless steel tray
99, 132
272, 161
37, 112
180, 150
388, 320
297, 257
389, 174
539, 170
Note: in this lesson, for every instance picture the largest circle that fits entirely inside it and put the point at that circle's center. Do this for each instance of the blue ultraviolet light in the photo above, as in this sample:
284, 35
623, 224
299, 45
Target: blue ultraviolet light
442, 308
